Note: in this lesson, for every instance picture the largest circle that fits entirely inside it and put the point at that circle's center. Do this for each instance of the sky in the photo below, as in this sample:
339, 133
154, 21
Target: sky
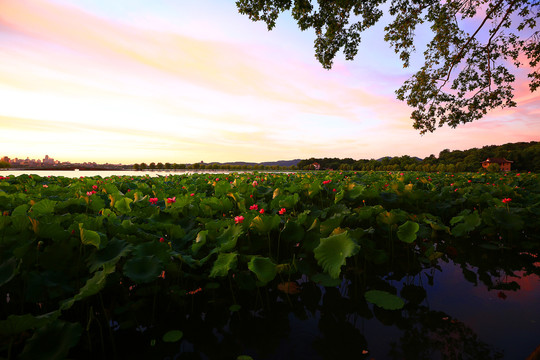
131, 81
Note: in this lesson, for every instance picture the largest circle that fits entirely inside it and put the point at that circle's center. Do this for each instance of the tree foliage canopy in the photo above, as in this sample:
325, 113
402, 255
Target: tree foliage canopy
466, 69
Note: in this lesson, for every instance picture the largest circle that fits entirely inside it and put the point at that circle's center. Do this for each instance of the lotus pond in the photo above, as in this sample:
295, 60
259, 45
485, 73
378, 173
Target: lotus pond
318, 265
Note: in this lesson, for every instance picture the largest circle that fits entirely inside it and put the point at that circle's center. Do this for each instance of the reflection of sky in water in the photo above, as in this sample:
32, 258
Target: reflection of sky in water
512, 323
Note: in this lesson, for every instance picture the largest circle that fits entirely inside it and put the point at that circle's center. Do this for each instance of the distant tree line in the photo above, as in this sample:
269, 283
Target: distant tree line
213, 166
4, 165
525, 157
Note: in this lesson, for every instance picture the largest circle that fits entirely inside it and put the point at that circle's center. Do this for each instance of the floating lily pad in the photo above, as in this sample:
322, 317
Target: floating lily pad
384, 299
173, 336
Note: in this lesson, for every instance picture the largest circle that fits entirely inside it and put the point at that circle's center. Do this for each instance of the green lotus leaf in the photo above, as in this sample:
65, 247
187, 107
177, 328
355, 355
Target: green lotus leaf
384, 299
16, 324
244, 357
314, 188
114, 250
223, 263
328, 225
159, 250
222, 188
97, 203
407, 232
4, 222
470, 222
111, 189
325, 280
227, 239
20, 210
143, 269
355, 192
122, 205
240, 201
288, 201
52, 341
264, 268
199, 241
92, 286
52, 231
292, 232
89, 237
8, 270
265, 224
339, 196
235, 308
333, 251
173, 336
43, 207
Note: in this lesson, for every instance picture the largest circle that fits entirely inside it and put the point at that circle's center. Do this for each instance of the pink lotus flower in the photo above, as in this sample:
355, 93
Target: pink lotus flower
153, 201
261, 211
45, 186
254, 207
506, 200
89, 193
282, 211
255, 183
192, 194
171, 200
94, 187
326, 182
161, 240
238, 219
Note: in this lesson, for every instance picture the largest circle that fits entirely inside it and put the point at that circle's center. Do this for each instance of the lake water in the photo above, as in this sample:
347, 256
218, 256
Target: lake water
107, 173
451, 313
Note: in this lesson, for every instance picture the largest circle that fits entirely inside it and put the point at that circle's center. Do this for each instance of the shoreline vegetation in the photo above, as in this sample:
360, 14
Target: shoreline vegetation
525, 156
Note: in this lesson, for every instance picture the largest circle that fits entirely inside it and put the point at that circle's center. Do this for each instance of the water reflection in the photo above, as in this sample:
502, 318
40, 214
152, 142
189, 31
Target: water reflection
454, 309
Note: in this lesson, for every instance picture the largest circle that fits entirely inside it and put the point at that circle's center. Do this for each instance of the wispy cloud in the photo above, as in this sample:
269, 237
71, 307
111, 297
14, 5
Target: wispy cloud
75, 81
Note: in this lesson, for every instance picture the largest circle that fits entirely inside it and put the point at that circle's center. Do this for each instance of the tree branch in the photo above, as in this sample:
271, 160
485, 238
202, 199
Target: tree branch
457, 58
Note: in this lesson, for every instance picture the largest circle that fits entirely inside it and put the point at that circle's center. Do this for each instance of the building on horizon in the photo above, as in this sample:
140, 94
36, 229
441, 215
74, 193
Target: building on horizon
504, 164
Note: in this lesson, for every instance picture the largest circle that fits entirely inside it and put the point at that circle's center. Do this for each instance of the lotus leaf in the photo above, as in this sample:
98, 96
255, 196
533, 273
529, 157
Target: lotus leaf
333, 251
53, 341
143, 269
384, 299
407, 232
122, 205
43, 207
223, 263
89, 237
173, 336
264, 224
264, 268
92, 286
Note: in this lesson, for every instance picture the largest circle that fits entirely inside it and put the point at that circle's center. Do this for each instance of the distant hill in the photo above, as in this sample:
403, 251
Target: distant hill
390, 158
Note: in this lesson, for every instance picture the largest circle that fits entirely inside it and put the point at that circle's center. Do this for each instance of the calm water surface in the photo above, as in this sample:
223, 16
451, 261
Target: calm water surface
107, 173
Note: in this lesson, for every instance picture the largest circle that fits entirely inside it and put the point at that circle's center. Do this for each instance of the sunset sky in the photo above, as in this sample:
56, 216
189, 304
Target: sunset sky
184, 81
